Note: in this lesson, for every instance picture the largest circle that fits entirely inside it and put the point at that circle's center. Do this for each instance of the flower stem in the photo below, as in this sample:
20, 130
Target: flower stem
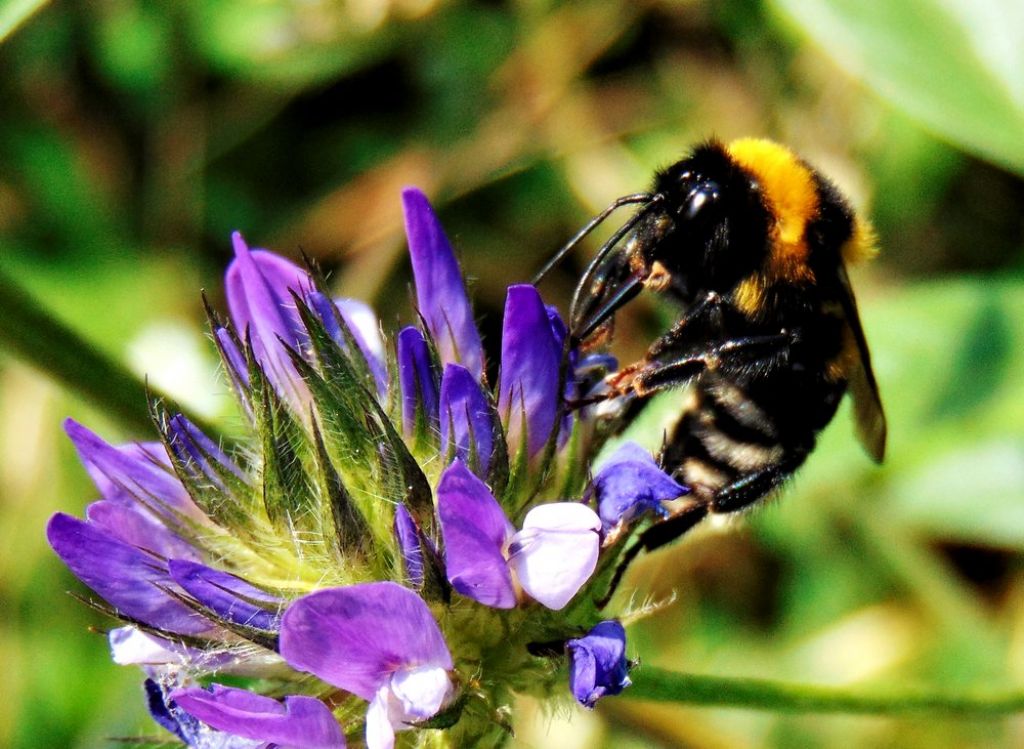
36, 336
776, 696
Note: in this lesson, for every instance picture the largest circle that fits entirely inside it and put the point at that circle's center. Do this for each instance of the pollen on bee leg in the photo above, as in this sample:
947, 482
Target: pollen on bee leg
659, 277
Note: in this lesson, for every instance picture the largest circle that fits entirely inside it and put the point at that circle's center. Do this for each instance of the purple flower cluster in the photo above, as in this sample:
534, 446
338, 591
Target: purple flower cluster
386, 507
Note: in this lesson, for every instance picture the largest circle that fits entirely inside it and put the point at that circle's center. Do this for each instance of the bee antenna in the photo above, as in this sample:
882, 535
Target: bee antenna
640, 197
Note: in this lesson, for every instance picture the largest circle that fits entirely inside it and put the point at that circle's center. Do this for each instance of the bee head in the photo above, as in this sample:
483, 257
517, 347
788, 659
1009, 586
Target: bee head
712, 219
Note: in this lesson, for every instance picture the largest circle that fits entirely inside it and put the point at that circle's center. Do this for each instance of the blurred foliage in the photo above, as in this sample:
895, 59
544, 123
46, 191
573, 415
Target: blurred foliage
136, 135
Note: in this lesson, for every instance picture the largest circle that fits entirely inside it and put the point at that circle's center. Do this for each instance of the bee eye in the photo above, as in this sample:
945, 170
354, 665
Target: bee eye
698, 199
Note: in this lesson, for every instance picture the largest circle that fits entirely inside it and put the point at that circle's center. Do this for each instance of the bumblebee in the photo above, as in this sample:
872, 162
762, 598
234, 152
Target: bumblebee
752, 244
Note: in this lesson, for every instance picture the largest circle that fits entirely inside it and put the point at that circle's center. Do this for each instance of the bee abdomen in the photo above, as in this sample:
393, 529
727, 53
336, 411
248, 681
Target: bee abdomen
723, 436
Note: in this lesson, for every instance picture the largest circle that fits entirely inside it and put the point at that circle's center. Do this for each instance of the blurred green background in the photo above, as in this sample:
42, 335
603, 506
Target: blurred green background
135, 135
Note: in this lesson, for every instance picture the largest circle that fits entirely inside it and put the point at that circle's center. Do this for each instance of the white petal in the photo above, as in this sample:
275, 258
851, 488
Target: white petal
130, 646
562, 516
556, 552
379, 733
364, 324
421, 691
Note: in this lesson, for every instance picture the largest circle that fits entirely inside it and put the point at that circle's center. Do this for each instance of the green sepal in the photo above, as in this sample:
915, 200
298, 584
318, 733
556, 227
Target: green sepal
230, 504
344, 403
426, 440
289, 500
351, 531
240, 389
341, 397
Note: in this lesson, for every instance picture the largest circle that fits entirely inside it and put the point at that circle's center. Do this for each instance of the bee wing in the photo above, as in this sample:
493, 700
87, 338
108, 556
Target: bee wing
869, 418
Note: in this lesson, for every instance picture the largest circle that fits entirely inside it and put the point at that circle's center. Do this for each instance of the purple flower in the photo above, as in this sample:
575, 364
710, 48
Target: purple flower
300, 722
531, 353
230, 597
553, 555
440, 290
131, 580
468, 420
631, 483
408, 536
378, 641
597, 663
417, 380
133, 474
259, 285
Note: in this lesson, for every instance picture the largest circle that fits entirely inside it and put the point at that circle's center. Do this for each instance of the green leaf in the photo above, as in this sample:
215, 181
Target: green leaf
956, 66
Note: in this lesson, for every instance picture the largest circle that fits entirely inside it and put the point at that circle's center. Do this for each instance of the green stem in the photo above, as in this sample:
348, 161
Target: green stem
33, 334
775, 696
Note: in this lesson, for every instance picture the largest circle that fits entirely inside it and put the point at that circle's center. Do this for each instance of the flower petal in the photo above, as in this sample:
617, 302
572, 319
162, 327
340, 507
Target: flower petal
380, 733
229, 596
475, 530
467, 418
528, 392
122, 575
556, 551
258, 285
363, 326
631, 483
130, 646
598, 665
138, 471
421, 691
559, 332
440, 290
137, 526
301, 722
201, 454
408, 536
416, 379
356, 637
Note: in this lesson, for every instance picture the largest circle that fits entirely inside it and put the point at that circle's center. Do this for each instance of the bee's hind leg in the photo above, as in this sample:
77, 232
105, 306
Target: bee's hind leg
751, 487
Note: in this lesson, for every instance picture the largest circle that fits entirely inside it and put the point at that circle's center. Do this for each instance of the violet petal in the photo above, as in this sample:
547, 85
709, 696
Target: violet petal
229, 596
137, 526
475, 531
363, 326
408, 536
195, 449
258, 285
467, 417
440, 290
138, 470
631, 483
122, 575
301, 722
528, 392
559, 331
598, 665
556, 551
417, 379
356, 637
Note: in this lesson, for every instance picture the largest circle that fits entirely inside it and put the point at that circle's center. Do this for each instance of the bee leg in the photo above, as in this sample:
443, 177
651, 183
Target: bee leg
748, 489
673, 527
702, 319
763, 353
